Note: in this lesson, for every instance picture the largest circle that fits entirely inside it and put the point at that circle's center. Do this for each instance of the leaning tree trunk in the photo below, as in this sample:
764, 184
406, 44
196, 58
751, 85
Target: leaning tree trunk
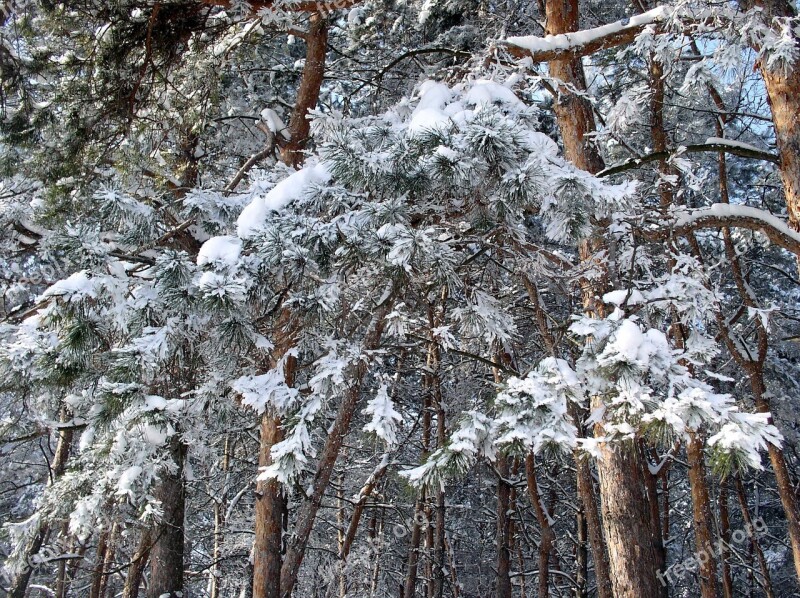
138, 563
166, 555
626, 517
307, 513
20, 585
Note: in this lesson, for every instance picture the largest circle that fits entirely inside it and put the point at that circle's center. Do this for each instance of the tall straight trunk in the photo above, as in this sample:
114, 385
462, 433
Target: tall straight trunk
441, 438
503, 540
138, 563
626, 518
111, 552
166, 555
651, 487
698, 482
701, 511
271, 502
99, 570
410, 585
220, 505
547, 537
270, 509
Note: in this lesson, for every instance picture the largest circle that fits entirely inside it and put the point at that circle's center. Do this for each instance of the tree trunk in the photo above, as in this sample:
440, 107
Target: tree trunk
545, 529
220, 505
296, 546
626, 519
783, 94
503, 539
166, 555
271, 504
138, 563
308, 93
725, 536
98, 572
701, 510
269, 512
748, 521
410, 586
651, 487
779, 467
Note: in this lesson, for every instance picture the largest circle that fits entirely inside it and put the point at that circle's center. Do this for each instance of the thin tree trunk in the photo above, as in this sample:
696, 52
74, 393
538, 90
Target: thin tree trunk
108, 561
756, 546
98, 572
220, 505
410, 586
358, 508
316, 39
581, 554
503, 589
441, 438
725, 536
545, 529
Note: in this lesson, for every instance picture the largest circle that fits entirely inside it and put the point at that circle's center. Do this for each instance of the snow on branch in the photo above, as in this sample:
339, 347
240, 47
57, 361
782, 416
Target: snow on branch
587, 41
712, 144
720, 215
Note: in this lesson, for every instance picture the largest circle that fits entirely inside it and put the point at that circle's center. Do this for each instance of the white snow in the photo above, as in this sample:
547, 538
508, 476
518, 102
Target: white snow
273, 121
569, 41
76, 287
485, 91
732, 143
154, 403
127, 479
291, 188
724, 210
627, 296
224, 250
384, 417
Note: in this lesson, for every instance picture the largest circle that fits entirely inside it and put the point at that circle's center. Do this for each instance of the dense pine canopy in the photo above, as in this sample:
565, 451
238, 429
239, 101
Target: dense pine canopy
361, 298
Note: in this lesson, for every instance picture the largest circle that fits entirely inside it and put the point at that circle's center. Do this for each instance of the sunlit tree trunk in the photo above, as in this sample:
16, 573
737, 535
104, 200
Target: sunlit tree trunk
138, 564
626, 518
